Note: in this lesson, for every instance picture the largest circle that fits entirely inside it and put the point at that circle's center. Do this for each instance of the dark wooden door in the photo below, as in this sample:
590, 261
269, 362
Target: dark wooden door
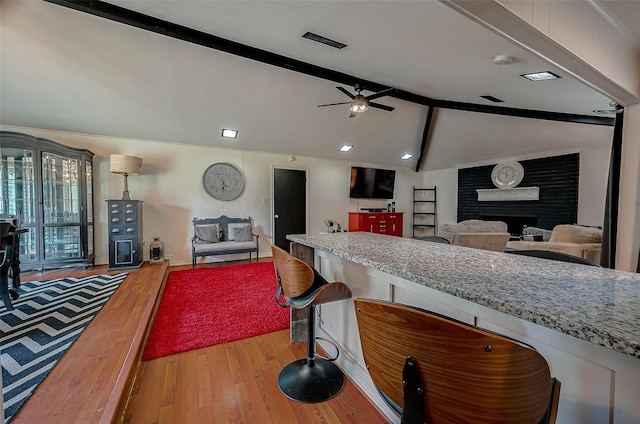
289, 204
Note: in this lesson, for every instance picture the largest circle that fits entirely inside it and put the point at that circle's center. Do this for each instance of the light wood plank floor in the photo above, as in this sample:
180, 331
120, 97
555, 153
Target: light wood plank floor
230, 383
236, 383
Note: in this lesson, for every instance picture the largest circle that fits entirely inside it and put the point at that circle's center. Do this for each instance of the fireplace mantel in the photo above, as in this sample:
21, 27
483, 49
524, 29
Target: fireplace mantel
508, 194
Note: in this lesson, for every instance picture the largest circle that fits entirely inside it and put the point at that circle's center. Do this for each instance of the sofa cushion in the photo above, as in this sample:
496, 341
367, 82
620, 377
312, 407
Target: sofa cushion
559, 246
487, 241
450, 230
576, 234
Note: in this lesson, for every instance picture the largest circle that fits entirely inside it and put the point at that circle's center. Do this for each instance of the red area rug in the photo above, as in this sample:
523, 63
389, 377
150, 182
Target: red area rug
207, 306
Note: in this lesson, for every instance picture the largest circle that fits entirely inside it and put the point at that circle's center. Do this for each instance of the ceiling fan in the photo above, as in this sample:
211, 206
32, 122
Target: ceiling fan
360, 103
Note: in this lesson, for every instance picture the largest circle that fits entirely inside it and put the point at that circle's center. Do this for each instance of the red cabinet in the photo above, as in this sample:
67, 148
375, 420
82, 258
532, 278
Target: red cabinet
376, 222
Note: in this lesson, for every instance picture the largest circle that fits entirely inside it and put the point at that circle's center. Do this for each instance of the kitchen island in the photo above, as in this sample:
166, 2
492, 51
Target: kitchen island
584, 320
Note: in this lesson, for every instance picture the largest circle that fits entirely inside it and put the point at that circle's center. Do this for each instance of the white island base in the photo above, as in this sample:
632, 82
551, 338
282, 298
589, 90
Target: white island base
599, 385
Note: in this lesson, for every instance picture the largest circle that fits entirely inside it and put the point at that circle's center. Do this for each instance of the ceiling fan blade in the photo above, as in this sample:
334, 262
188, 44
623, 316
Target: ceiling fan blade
380, 94
333, 104
344, 90
353, 114
383, 107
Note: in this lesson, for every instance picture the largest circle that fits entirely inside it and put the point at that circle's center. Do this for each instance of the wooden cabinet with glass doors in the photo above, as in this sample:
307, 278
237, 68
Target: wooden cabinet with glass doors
49, 188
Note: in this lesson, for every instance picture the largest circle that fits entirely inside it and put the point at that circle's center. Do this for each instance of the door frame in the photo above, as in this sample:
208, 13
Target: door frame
306, 200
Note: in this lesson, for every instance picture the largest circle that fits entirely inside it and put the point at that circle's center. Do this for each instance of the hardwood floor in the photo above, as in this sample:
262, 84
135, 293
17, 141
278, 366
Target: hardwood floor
229, 383
236, 383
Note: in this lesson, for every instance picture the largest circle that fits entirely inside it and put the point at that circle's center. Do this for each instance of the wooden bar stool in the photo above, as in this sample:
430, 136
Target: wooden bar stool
314, 378
433, 369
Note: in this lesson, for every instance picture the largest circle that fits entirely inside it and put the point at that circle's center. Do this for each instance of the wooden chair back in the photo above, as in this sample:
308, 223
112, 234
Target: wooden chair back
469, 375
296, 276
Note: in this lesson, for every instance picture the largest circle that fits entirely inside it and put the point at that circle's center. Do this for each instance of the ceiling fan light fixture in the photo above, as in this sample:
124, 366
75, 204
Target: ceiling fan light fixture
359, 105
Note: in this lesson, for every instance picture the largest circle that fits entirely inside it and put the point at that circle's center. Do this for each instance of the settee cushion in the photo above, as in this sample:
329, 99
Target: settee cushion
231, 233
224, 246
207, 233
242, 234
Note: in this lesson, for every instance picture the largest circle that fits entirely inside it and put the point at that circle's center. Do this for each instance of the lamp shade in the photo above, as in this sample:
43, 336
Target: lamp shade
123, 164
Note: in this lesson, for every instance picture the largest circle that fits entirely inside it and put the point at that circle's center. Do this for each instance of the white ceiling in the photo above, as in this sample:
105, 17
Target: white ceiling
65, 70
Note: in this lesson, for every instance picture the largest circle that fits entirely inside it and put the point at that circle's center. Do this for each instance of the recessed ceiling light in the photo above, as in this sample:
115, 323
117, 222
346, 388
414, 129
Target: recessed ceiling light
227, 133
345, 148
406, 156
324, 40
540, 76
605, 111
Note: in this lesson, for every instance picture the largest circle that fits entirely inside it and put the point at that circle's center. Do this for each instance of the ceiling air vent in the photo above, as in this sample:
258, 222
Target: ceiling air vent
323, 40
493, 99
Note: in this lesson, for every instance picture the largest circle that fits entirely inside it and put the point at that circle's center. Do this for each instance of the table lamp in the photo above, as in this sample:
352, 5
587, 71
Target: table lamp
125, 165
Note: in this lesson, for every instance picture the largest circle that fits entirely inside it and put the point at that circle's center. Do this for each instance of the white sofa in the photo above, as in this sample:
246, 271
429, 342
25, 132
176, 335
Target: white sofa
576, 240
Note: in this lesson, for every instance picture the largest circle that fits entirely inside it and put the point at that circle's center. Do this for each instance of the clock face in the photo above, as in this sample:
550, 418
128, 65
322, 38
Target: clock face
223, 181
507, 174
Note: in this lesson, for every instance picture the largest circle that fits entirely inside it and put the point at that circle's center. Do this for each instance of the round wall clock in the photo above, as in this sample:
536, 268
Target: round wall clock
223, 181
507, 174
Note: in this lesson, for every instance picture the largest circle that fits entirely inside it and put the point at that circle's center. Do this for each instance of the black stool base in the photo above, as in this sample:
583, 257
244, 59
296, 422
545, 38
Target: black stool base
311, 384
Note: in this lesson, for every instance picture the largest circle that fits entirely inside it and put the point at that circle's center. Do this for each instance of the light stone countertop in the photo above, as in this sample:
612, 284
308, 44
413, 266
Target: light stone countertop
595, 304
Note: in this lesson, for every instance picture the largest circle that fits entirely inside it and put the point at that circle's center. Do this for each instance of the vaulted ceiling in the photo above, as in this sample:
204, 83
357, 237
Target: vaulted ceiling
67, 70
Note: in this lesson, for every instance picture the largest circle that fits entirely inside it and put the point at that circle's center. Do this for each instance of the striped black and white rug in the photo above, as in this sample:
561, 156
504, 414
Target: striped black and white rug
47, 319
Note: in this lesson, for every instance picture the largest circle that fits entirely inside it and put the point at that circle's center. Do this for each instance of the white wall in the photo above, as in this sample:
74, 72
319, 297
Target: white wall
628, 246
171, 188
446, 183
581, 28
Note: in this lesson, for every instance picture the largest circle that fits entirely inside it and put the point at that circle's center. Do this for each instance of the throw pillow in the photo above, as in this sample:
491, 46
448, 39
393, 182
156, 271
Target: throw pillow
242, 233
232, 226
209, 233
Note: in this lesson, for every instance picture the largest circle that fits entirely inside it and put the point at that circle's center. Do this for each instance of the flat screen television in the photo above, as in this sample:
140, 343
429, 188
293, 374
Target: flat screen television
371, 183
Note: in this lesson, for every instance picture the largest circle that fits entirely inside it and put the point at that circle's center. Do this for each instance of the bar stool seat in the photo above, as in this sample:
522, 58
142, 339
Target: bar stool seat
314, 378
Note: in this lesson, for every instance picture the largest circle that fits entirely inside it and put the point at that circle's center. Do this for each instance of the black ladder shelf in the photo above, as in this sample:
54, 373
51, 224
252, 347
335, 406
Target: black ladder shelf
424, 212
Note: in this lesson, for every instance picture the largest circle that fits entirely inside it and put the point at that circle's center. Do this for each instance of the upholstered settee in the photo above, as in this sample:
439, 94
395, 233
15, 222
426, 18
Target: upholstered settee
476, 233
223, 236
576, 240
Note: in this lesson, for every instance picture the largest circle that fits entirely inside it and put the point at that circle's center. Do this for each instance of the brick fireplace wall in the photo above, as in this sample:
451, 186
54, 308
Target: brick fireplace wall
557, 177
